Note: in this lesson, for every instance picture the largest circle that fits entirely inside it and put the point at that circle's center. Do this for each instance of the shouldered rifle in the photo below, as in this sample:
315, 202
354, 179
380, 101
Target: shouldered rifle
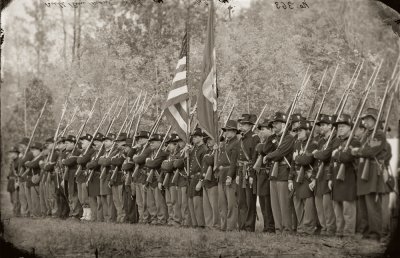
151, 174
152, 131
275, 168
301, 173
310, 112
365, 173
114, 173
69, 123
107, 132
103, 119
32, 134
395, 90
338, 113
137, 106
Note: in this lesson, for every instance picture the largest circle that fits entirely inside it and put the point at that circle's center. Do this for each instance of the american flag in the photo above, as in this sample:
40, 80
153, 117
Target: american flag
176, 106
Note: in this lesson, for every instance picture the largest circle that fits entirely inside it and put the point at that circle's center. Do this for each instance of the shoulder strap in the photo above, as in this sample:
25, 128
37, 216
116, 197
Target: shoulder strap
244, 152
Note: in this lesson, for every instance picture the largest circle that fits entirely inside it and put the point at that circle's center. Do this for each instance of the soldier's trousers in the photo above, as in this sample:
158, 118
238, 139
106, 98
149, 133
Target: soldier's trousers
75, 206
83, 194
130, 207
28, 198
210, 207
52, 196
385, 214
196, 211
141, 201
14, 198
247, 208
44, 204
228, 206
156, 205
117, 195
35, 199
326, 215
182, 214
93, 208
370, 215
306, 222
171, 199
345, 213
280, 205
266, 210
22, 199
105, 208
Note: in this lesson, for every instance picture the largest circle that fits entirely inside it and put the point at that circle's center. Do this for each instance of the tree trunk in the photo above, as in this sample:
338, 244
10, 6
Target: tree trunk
74, 37
79, 36
65, 39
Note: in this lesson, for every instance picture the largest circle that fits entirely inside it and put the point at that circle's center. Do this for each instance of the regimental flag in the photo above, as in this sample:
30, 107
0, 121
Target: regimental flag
176, 106
207, 94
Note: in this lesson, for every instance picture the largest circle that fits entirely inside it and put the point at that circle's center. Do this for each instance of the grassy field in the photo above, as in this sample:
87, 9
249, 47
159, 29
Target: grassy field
69, 238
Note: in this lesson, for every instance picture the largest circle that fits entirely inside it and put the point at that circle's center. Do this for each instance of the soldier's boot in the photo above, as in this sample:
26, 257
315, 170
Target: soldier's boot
88, 216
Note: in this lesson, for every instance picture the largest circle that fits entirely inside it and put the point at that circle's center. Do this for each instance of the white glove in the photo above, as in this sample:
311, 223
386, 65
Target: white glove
237, 180
251, 180
228, 181
160, 186
330, 184
312, 185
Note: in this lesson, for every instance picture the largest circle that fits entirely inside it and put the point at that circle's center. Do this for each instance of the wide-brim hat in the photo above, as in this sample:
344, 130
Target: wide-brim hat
142, 134
173, 138
24, 141
344, 119
266, 123
370, 112
87, 137
306, 125
297, 118
36, 145
279, 117
156, 137
326, 119
70, 138
230, 125
198, 132
247, 119
121, 137
99, 137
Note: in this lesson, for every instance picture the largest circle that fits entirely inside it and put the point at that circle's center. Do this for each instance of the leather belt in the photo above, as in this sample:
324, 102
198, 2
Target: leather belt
192, 176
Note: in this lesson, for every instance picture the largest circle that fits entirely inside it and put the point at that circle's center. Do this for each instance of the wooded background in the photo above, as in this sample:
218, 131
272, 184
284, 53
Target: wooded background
124, 47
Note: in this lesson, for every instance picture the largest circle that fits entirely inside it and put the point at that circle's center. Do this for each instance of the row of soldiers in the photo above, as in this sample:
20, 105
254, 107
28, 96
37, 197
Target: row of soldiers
162, 180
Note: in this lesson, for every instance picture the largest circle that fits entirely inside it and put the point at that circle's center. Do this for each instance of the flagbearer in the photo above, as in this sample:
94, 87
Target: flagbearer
323, 199
368, 182
300, 178
263, 171
196, 155
227, 171
279, 183
155, 192
344, 191
246, 174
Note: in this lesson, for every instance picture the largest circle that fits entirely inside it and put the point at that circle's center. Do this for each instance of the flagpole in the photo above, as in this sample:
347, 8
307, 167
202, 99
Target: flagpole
187, 83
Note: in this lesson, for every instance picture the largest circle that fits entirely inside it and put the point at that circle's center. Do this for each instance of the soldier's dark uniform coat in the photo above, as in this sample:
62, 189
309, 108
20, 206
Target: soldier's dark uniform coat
154, 163
94, 166
195, 159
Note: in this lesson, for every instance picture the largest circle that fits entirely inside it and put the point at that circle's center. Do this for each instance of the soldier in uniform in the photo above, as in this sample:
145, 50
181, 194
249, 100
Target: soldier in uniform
245, 178
368, 183
265, 133
93, 185
12, 177
155, 191
344, 188
34, 177
167, 169
61, 208
116, 179
45, 185
69, 162
105, 196
282, 156
210, 187
227, 172
319, 184
300, 178
181, 180
196, 155
24, 191
139, 181
81, 177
